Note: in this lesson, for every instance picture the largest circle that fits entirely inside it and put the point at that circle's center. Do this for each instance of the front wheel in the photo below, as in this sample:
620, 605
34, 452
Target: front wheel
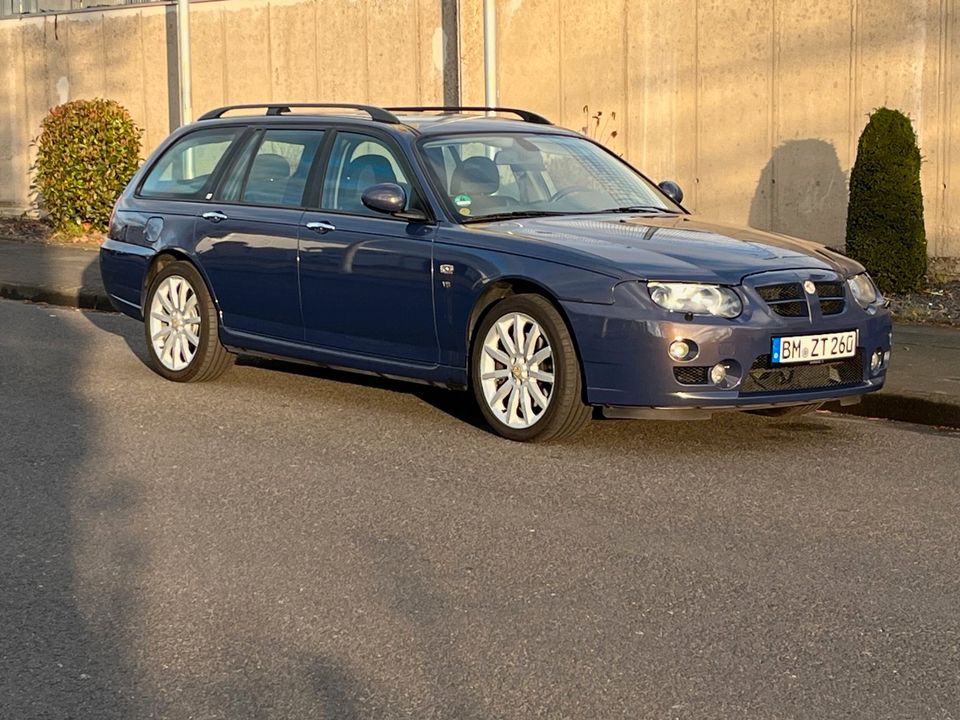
181, 326
525, 373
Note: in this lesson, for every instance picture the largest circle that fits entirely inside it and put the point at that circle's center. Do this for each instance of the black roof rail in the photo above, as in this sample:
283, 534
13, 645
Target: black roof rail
525, 115
375, 113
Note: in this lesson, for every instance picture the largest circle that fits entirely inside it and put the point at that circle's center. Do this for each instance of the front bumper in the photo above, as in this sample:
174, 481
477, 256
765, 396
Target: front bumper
623, 348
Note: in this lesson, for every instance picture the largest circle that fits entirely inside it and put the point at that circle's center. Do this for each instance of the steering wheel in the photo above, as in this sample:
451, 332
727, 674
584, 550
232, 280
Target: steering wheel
568, 191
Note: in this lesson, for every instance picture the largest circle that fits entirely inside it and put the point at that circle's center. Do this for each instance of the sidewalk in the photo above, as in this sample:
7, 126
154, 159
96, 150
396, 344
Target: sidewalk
923, 385
59, 275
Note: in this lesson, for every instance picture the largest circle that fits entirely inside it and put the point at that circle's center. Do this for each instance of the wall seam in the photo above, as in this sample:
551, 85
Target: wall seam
696, 103
625, 120
773, 119
270, 50
943, 118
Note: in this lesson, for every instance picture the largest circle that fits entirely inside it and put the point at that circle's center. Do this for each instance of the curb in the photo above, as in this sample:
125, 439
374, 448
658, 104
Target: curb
904, 408
83, 298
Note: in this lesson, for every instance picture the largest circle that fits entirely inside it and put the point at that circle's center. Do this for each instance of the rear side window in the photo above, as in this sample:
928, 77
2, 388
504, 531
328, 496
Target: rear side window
186, 169
278, 174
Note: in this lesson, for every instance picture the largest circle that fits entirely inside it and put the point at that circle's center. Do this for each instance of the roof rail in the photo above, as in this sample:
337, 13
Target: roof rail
375, 113
524, 115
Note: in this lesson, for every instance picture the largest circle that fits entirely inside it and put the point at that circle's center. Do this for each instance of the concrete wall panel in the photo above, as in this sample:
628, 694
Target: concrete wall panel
208, 49
342, 34
294, 51
734, 118
248, 57
660, 125
536, 83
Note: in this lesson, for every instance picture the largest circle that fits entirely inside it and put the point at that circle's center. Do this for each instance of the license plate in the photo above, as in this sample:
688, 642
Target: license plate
813, 348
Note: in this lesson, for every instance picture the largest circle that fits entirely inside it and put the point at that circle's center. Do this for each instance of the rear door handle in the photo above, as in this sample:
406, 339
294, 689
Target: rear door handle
214, 216
321, 227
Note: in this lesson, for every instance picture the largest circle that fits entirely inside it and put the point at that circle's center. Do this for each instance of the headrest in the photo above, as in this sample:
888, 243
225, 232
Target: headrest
475, 176
270, 165
368, 170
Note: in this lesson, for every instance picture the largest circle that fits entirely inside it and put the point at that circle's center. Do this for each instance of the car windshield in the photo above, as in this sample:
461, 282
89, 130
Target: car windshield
502, 175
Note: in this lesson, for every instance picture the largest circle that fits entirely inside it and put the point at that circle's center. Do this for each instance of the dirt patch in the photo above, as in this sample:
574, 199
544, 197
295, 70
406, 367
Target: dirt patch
37, 231
936, 304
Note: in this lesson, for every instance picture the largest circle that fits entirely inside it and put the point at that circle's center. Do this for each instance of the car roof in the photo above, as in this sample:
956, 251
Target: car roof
422, 121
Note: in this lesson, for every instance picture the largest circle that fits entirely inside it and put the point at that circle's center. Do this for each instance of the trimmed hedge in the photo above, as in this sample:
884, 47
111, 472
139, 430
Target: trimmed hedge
885, 217
87, 152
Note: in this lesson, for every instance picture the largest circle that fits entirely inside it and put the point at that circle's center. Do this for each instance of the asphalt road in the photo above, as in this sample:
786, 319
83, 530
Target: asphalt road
297, 543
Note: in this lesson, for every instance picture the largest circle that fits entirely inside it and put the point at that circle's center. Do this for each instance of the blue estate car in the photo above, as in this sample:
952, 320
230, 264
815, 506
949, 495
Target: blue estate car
509, 257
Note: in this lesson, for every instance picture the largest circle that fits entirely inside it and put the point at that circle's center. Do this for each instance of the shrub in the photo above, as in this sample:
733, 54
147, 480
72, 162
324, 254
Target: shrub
87, 152
885, 216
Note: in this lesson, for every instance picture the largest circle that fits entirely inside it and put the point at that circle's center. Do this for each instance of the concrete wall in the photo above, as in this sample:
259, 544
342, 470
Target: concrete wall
753, 106
390, 51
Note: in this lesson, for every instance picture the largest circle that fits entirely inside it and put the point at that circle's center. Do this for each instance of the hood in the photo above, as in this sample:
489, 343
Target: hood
672, 247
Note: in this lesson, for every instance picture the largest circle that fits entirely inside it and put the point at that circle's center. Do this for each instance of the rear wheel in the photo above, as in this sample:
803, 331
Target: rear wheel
525, 372
181, 326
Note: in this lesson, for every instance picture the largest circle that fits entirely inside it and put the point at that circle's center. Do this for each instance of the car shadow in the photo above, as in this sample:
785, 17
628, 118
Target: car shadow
459, 405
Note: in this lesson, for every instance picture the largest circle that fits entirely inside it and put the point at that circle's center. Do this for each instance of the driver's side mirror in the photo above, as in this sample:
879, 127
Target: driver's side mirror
672, 191
390, 199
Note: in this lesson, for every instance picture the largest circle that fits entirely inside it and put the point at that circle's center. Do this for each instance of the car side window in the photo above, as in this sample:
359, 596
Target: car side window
357, 162
186, 169
273, 168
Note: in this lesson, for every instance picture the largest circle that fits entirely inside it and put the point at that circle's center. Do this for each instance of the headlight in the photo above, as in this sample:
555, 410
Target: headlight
696, 299
863, 290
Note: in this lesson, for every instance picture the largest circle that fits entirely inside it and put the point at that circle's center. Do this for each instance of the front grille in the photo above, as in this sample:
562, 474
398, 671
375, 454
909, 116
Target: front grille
766, 378
786, 299
691, 375
783, 291
831, 297
790, 300
831, 307
829, 290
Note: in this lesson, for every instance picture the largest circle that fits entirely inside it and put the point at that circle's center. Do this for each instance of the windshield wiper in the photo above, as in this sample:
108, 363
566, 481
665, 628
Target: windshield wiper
515, 214
636, 208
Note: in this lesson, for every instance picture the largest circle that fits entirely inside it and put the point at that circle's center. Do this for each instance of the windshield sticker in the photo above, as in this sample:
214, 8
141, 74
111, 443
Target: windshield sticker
464, 211
463, 201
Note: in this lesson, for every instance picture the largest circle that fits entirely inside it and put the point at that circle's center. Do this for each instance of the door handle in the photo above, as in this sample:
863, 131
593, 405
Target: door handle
321, 227
214, 216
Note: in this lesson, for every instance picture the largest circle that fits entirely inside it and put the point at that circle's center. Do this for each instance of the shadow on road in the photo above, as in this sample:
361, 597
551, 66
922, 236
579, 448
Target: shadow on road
65, 604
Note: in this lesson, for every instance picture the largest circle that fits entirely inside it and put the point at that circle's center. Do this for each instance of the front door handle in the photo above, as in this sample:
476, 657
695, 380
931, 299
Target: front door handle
214, 216
321, 227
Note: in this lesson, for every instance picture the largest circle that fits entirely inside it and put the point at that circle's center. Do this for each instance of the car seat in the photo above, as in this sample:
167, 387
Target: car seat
478, 178
362, 172
267, 182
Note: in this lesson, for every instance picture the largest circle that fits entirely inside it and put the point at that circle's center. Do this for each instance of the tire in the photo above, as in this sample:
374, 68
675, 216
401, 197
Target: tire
177, 300
532, 393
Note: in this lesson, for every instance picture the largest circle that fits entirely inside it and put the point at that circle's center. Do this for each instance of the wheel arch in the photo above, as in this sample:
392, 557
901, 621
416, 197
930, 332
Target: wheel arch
164, 258
497, 290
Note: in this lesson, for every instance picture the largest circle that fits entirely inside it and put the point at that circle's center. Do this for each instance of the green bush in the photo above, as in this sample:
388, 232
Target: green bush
885, 216
87, 152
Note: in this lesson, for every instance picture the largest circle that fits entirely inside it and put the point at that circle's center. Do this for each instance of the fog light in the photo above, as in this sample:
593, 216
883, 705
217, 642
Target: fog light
682, 350
718, 373
876, 361
726, 374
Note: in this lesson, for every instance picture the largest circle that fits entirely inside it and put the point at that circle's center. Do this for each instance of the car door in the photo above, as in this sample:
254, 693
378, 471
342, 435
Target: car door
365, 277
248, 236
